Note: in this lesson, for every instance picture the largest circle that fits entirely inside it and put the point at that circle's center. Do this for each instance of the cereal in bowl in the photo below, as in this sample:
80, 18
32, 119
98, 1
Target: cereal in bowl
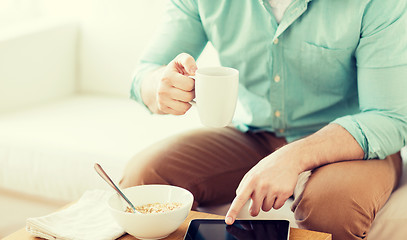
155, 207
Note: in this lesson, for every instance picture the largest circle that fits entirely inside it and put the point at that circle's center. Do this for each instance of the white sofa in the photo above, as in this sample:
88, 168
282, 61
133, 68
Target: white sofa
52, 132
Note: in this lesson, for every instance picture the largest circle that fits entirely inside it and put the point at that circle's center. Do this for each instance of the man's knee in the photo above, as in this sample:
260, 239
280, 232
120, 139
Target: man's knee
140, 173
154, 165
334, 211
161, 163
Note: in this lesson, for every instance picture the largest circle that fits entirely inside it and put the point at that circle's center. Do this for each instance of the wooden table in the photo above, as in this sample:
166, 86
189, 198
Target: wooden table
295, 233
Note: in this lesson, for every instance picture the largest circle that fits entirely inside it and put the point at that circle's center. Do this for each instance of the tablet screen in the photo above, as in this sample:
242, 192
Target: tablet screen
216, 229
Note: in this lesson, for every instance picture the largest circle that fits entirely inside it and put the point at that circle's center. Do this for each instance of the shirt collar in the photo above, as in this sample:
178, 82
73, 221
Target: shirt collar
293, 12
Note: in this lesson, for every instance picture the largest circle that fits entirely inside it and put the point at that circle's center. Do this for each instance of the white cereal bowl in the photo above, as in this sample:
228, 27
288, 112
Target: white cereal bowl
151, 225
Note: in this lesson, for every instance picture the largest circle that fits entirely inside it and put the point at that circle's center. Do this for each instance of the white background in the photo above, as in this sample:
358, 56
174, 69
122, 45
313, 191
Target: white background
113, 35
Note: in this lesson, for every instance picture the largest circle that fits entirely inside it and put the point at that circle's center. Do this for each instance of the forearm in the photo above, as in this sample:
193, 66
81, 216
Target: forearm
330, 144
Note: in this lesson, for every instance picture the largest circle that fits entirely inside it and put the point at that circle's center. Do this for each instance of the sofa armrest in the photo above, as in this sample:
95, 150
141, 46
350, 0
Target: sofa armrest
37, 62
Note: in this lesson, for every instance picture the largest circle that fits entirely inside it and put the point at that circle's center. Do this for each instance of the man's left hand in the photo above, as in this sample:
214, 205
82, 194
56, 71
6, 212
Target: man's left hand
269, 184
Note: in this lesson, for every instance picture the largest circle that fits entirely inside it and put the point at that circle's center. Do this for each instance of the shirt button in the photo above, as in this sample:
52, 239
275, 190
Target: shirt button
277, 78
275, 41
277, 113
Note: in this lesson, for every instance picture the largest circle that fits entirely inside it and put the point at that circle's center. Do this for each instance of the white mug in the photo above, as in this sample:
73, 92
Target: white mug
216, 90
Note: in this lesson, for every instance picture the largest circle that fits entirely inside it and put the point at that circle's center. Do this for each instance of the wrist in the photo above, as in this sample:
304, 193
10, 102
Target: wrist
330, 144
148, 91
294, 155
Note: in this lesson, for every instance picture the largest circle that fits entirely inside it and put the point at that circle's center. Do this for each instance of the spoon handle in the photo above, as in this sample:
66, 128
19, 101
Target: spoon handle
106, 177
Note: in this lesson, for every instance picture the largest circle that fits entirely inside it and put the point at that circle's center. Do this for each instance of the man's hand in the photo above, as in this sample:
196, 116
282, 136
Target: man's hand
171, 91
272, 181
269, 184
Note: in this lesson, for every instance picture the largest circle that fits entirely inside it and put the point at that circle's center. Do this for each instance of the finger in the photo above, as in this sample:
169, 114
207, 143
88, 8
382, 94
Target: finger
186, 64
168, 105
268, 203
168, 110
255, 204
175, 107
237, 204
171, 97
279, 202
183, 96
182, 82
243, 183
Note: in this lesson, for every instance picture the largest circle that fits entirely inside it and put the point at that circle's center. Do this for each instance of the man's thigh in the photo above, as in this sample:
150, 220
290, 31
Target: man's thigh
209, 162
343, 198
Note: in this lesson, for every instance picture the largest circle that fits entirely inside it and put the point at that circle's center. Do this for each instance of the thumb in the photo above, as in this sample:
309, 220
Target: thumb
185, 64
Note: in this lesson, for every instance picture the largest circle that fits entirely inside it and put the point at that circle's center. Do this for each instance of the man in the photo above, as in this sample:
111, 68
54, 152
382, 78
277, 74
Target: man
322, 88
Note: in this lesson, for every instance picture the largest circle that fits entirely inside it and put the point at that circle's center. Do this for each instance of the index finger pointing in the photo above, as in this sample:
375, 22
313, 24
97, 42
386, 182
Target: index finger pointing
237, 204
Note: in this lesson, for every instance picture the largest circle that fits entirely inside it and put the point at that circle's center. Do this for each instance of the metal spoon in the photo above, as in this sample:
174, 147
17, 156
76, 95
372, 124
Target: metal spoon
106, 177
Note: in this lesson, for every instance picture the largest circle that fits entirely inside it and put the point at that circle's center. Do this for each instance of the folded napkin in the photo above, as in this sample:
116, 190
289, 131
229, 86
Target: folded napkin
87, 219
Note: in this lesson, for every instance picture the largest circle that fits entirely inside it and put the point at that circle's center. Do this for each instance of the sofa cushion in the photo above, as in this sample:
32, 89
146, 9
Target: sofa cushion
50, 150
38, 62
391, 221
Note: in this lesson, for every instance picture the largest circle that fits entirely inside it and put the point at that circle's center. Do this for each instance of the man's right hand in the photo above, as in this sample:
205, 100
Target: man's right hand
173, 90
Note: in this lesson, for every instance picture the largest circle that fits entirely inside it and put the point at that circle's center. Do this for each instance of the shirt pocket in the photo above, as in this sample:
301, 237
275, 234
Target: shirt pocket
327, 70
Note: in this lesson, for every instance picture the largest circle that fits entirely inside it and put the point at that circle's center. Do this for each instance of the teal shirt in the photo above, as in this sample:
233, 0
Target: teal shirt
341, 61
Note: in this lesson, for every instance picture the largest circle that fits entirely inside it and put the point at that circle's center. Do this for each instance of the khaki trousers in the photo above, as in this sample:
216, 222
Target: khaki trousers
341, 198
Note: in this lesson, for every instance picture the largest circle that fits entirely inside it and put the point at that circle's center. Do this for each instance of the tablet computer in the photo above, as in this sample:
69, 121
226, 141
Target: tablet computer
217, 229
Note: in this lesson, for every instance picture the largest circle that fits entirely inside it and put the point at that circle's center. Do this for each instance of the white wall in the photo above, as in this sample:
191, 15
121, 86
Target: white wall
112, 36
114, 33
16, 11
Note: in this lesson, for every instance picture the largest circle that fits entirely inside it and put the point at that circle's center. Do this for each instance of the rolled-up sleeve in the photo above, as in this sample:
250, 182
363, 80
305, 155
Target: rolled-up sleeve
181, 31
381, 126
